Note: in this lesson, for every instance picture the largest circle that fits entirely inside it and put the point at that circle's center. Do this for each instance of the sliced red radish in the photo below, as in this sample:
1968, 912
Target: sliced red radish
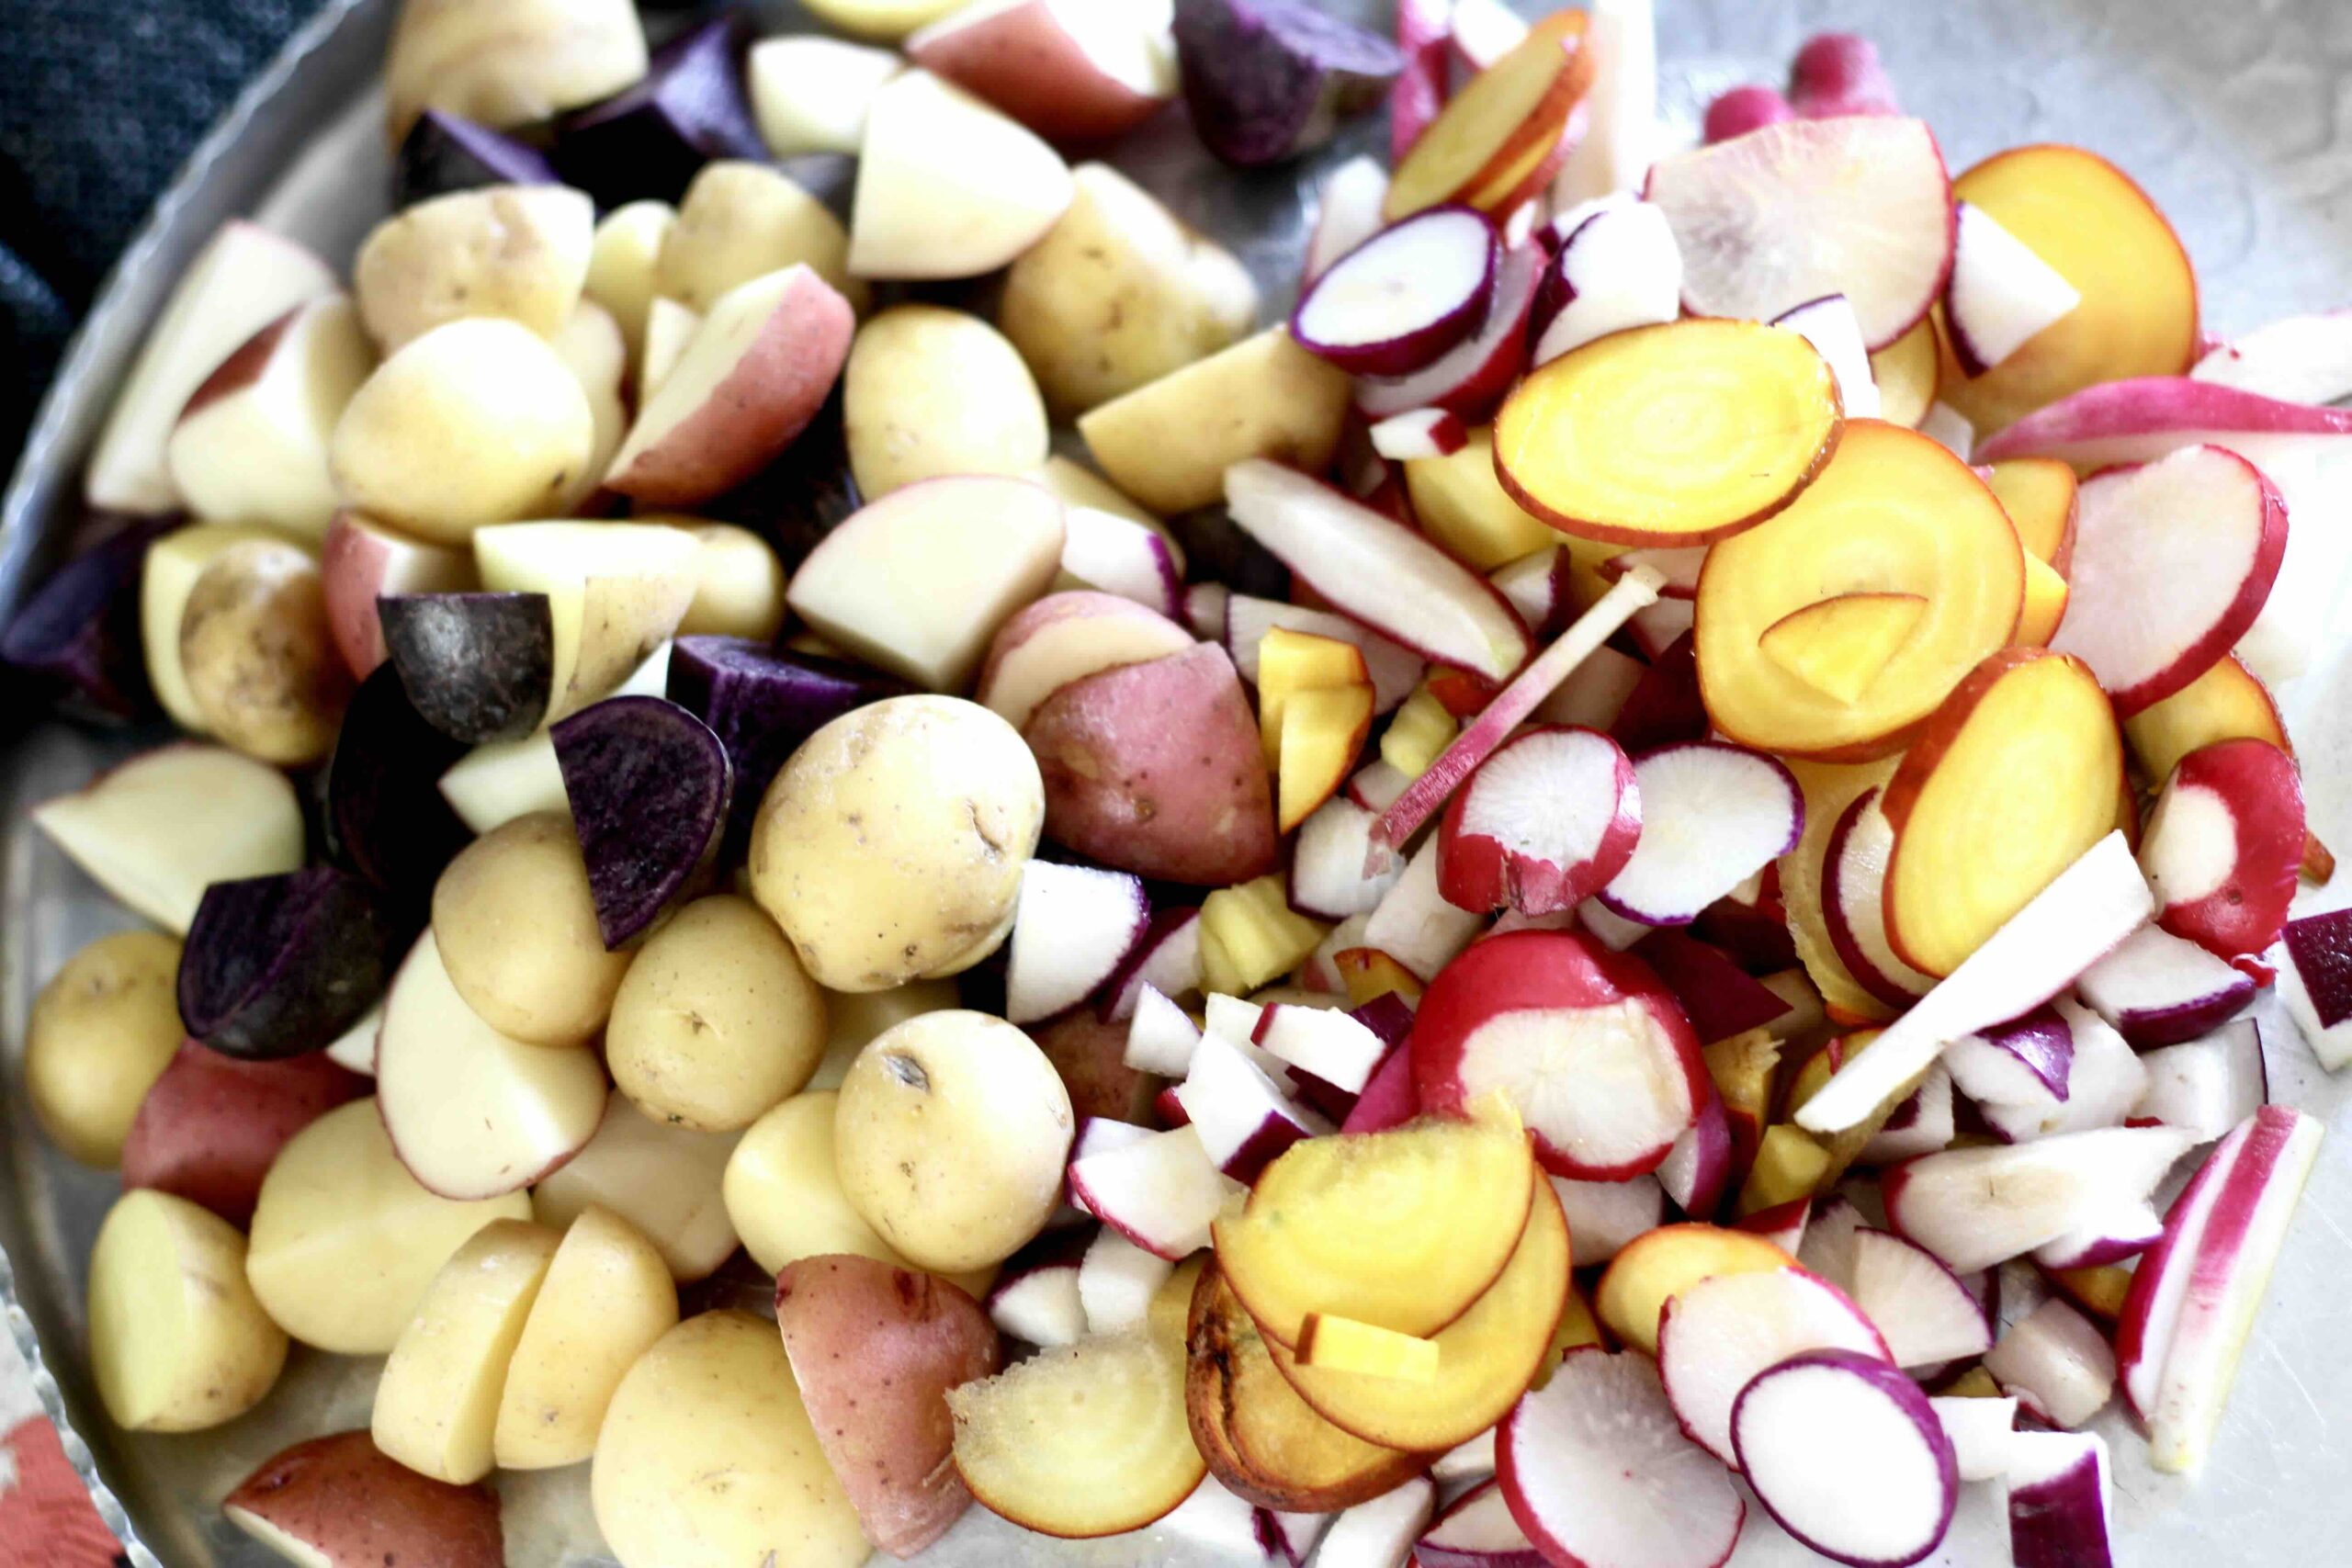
1845, 1453
2083, 913
1116, 1280
2000, 294
1736, 111
1404, 297
1161, 1037
1097, 1135
1375, 569
1167, 958
1542, 825
2160, 991
1784, 1225
1379, 1534
2122, 1232
1243, 1117
2173, 561
1414, 925
1290, 1537
1792, 211
1976, 1207
2149, 417
1471, 377
1716, 1334
1394, 670
1922, 1125
1828, 1245
1604, 1215
2302, 359
1423, 433
1719, 998
2224, 846
1836, 333
1337, 1047
2104, 1080
1597, 1472
1853, 904
2315, 982
2057, 1363
1160, 1192
1616, 266
2023, 1063
1477, 1531
1666, 707
1327, 864
1347, 211
1697, 1169
2058, 1501
1712, 815
1037, 1302
1422, 27
1121, 556
1072, 928
1980, 1430
1924, 1311
1840, 73
2208, 1085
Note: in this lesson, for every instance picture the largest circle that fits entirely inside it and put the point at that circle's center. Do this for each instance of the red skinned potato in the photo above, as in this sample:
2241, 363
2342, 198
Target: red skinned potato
211, 1125
1069, 70
362, 561
339, 1503
1091, 1057
1157, 768
875, 1350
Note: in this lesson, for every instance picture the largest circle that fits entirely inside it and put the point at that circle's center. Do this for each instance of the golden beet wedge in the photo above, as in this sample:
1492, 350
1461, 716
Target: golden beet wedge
2228, 702
1909, 372
1655, 1268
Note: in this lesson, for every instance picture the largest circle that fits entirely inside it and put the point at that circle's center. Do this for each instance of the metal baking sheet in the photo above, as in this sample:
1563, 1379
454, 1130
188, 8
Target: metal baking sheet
2234, 116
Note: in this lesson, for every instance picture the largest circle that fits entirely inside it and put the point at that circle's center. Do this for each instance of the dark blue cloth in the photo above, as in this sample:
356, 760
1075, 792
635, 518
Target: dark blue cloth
100, 101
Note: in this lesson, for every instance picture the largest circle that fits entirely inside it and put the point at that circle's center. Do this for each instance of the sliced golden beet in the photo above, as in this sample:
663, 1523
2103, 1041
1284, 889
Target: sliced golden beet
1486, 1357
1577, 1329
2228, 702
1404, 1228
1358, 1350
1828, 789
2039, 494
1790, 1164
1682, 433
2015, 778
1505, 119
2045, 604
1323, 733
1655, 1268
2085, 217
1908, 371
1261, 1439
1256, 935
1840, 645
1743, 1067
1369, 974
1290, 662
1893, 513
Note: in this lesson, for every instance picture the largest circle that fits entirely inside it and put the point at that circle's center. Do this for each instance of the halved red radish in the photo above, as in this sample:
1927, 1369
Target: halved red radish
1243, 1117
2206, 1087
2104, 1080
1719, 998
1596, 1471
1161, 1037
1789, 212
2000, 294
1414, 925
1375, 569
1716, 1335
1471, 377
2145, 418
1616, 267
1853, 904
1337, 1047
2315, 982
2173, 561
1925, 1122
1847, 1454
1477, 1531
1591, 1049
1976, 1207
2025, 1062
1980, 1430
1697, 1169
1420, 432
2057, 1363
1073, 927
1116, 1280
1736, 111
1542, 825
1121, 556
1836, 333
1404, 297
1923, 1310
1785, 1225
2160, 989
1840, 73
1394, 670
1167, 958
2121, 1233
2058, 1501
1712, 815
2224, 846
2302, 359
1328, 881
1604, 1215
1160, 1192
1035, 1300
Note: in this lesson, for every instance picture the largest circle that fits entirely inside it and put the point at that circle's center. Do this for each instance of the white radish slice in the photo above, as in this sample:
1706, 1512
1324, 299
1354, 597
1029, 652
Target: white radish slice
1326, 864
1471, 1461
2302, 359
2104, 1080
1116, 1282
1160, 1192
2208, 1085
1243, 1117
1472, 376
2057, 1363
1717, 1335
1413, 924
1347, 213
1976, 1207
1922, 1124
1829, 1243
1119, 555
1484, 31
1423, 433
1949, 428
1291, 1537
1604, 1215
1161, 1037
2173, 561
2000, 294
1836, 333
1979, 1431
1858, 206
2059, 1498
2315, 982
1168, 959
1617, 267
1232, 1020
1847, 1454
1072, 928
1041, 1306
2125, 1231
1333, 1045
1404, 297
1697, 1168
1204, 609
1853, 904
1597, 1472
2024, 1063
2161, 990
1394, 670
1712, 815
1216, 1521
1542, 825
1785, 1225
1379, 1534
1477, 1531
1924, 1311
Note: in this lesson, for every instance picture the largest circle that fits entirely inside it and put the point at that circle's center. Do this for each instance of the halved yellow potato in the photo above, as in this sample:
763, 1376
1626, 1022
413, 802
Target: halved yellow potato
606, 1298
177, 1340
437, 1404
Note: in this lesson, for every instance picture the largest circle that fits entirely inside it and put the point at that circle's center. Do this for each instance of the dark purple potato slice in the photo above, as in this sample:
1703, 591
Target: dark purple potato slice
446, 153
1270, 79
649, 786
275, 966
385, 817
477, 667
652, 139
80, 630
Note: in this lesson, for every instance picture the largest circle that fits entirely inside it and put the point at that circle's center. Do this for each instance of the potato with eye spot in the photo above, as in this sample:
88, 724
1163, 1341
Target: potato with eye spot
258, 657
890, 846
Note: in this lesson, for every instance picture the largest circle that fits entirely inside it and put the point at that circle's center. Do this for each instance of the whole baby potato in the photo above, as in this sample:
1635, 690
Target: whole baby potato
716, 1020
259, 657
931, 392
518, 251
741, 220
952, 1133
102, 1031
516, 926
891, 843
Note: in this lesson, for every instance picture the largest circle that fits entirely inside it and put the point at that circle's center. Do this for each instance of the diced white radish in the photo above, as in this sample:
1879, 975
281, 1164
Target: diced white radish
1922, 1124
1847, 1454
2084, 912
1484, 31
1404, 297
1328, 880
2173, 561
1785, 1225
1161, 1037
2160, 989
1216, 1521
1040, 1305
2206, 1087
2059, 1501
1347, 213
1415, 925
1716, 1335
1596, 1470
1167, 958
1621, 129
1712, 814
1853, 900
1321, 970
1829, 1245
1617, 267
2019, 1288
1858, 206
1161, 1191
1116, 1280
1477, 1531
2024, 1063
1950, 429
1072, 928
1243, 1117
1836, 333
1119, 555
1980, 1431
1379, 1534
1472, 376
1394, 670
2000, 294
2104, 1080
1232, 1019
1609, 928
1376, 785
1604, 1215
1423, 433
1333, 1045
1096, 1135
1658, 628
2125, 1231
2302, 359
2057, 1363
2314, 964
1472, 1461
1921, 1308
1542, 825
1698, 1167
1539, 587
1291, 1537
1204, 609
1975, 1207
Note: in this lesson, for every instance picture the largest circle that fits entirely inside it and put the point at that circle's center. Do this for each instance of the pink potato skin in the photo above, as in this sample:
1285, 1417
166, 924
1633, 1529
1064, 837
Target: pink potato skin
1091, 1057
358, 1510
875, 1350
1032, 619
361, 559
210, 1126
1025, 62
767, 398
1156, 769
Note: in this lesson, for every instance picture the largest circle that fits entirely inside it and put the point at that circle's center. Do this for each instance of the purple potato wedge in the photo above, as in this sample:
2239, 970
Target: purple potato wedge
650, 139
385, 816
278, 966
445, 153
648, 784
1266, 80
477, 667
80, 630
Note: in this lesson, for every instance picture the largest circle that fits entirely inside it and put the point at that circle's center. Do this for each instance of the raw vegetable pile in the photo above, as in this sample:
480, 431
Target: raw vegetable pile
1600, 894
